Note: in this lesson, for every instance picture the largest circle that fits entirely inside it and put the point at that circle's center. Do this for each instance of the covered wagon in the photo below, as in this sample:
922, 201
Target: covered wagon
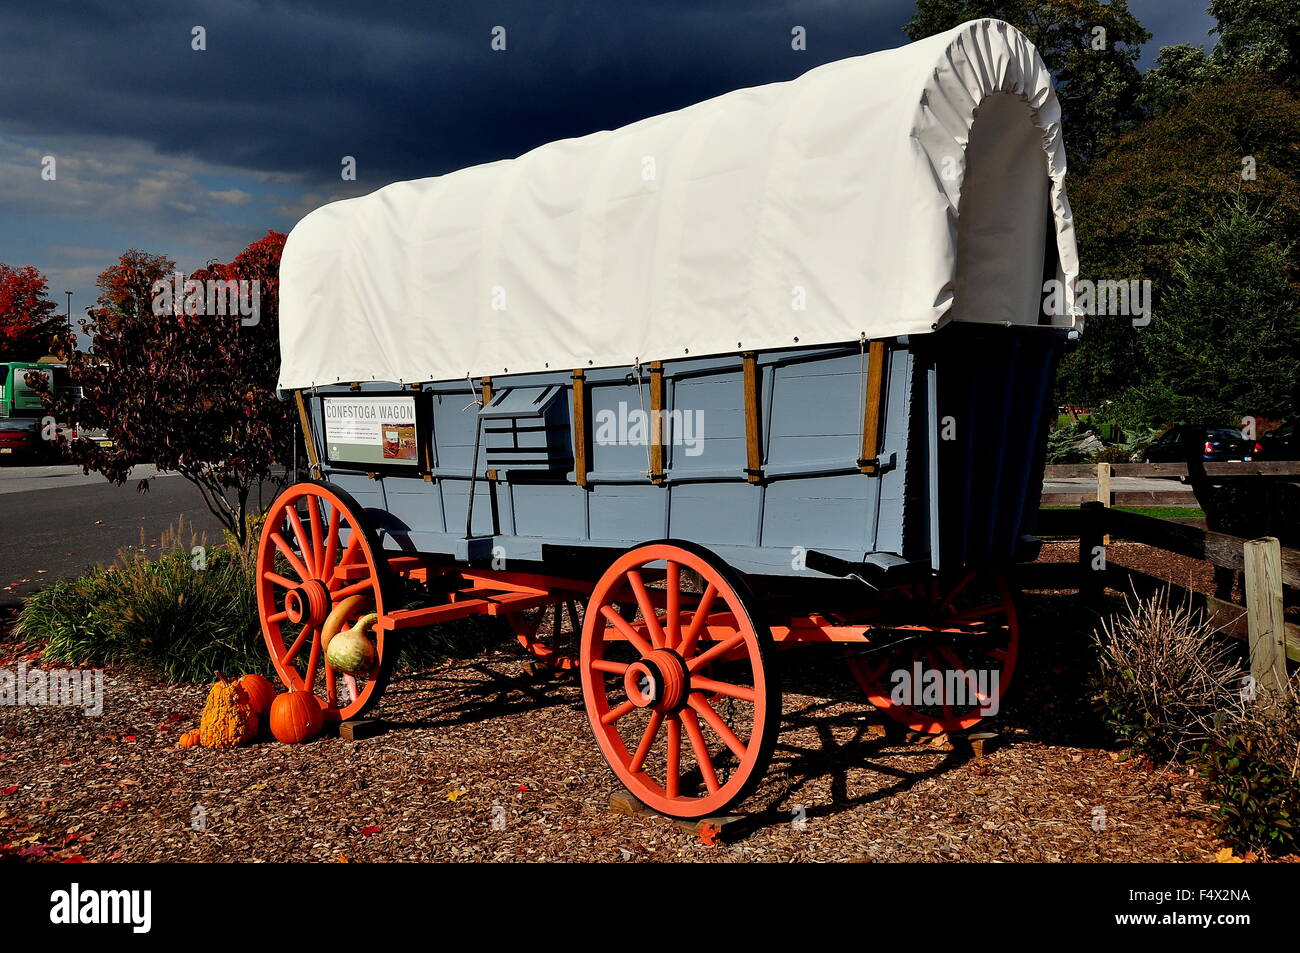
769, 370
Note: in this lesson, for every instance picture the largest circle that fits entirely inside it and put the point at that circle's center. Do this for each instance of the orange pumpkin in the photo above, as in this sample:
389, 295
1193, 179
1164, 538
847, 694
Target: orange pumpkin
260, 692
296, 717
190, 739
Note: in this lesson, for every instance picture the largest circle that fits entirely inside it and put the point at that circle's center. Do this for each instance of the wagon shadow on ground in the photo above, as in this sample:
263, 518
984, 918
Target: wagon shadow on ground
474, 690
834, 753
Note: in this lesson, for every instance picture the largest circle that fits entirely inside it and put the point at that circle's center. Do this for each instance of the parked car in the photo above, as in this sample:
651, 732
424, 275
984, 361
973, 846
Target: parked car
19, 437
1217, 444
1279, 444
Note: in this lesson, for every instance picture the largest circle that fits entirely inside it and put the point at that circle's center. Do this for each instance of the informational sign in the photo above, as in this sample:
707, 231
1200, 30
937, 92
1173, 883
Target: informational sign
371, 430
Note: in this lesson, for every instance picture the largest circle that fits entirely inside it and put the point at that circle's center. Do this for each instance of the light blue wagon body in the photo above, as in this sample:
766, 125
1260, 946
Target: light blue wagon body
967, 505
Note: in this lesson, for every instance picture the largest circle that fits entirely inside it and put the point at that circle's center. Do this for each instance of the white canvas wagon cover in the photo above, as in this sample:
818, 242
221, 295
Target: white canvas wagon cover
879, 195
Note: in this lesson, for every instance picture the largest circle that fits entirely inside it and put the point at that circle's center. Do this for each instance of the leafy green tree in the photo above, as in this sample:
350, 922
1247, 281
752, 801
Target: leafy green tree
1142, 204
1259, 36
1092, 49
1179, 70
1226, 340
1256, 38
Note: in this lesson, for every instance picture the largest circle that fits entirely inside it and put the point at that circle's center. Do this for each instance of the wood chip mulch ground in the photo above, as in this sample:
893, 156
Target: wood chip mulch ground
481, 762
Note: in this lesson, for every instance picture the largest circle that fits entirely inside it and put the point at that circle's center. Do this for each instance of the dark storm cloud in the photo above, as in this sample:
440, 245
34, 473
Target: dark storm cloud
410, 89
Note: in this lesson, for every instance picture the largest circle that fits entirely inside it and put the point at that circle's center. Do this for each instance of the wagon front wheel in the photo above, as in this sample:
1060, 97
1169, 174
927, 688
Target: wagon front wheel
319, 570
676, 681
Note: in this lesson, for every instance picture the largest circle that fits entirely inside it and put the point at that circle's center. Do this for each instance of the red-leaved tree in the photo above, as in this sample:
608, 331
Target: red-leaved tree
176, 382
27, 316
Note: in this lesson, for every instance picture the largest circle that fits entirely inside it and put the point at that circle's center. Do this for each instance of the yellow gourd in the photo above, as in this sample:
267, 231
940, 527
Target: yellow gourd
228, 718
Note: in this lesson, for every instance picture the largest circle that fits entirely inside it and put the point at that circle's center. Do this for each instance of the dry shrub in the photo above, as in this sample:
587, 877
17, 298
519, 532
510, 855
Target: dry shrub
1164, 673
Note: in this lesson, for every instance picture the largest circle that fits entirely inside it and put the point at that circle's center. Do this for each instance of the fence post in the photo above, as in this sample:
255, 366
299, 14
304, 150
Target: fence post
1092, 554
1267, 632
1103, 490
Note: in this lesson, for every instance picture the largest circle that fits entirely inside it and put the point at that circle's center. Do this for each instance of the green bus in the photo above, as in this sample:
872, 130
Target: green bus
17, 399
21, 413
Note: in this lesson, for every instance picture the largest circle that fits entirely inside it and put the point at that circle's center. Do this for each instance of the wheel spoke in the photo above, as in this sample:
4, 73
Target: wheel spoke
952, 658
698, 620
331, 545
317, 536
609, 667
702, 759
629, 633
958, 589
287, 552
647, 608
313, 660
292, 652
352, 590
350, 550
722, 648
723, 688
673, 587
705, 711
280, 581
647, 739
673, 768
614, 714
301, 535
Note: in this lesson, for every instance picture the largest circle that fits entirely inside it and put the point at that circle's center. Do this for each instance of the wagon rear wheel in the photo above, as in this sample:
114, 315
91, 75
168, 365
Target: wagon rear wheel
319, 570
943, 652
676, 681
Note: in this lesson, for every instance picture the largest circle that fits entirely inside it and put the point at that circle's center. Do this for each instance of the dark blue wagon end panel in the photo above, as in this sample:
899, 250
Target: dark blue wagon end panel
995, 406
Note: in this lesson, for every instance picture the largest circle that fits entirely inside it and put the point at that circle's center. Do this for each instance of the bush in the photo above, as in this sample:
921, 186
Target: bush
1061, 443
1163, 676
1252, 769
163, 613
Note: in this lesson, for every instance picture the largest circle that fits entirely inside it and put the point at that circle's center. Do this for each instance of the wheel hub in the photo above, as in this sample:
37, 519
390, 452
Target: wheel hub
309, 603
660, 681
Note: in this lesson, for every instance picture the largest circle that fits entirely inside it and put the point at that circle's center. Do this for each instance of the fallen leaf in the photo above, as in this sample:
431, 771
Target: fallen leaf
10, 790
457, 794
709, 834
372, 829
1226, 856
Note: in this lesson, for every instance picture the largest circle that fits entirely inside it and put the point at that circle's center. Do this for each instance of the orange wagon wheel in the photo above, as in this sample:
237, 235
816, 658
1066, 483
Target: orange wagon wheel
676, 682
320, 569
964, 630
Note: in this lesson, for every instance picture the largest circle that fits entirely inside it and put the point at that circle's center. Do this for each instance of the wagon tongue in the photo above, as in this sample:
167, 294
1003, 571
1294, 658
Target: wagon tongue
884, 638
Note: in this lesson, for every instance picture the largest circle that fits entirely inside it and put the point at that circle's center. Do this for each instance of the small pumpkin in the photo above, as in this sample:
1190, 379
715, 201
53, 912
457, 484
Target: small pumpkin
228, 720
190, 739
296, 717
352, 651
260, 693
